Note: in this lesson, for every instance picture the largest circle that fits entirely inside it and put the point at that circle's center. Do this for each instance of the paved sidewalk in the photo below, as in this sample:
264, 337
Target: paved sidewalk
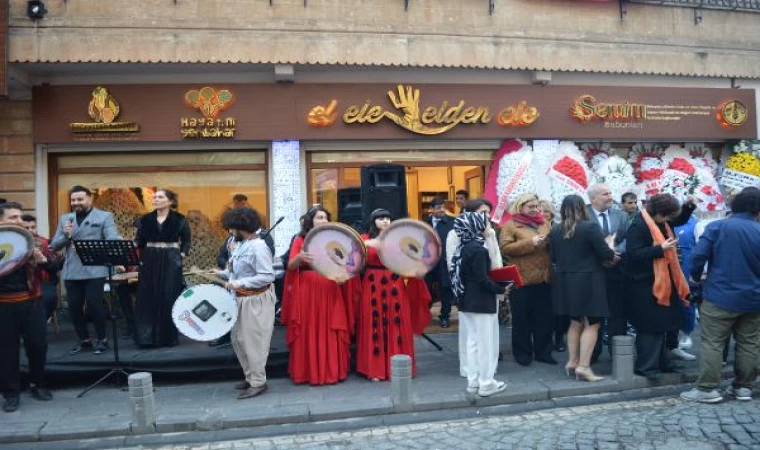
106, 411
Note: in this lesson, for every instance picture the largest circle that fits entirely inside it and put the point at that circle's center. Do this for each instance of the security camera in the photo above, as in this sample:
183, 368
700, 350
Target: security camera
35, 9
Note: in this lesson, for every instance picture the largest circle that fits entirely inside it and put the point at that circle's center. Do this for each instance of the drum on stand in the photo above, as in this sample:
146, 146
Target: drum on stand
205, 312
16, 247
410, 248
339, 252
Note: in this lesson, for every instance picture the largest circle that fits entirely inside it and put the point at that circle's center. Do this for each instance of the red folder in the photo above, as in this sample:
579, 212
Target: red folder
507, 274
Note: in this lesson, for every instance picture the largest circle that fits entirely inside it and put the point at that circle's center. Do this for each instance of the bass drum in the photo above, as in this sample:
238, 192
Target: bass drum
16, 247
204, 312
409, 247
339, 252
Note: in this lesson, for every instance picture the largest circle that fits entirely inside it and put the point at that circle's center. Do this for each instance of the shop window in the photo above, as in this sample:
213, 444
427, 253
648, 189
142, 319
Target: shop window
205, 184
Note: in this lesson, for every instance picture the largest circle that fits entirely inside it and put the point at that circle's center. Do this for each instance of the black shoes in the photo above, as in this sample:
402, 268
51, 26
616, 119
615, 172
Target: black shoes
41, 394
523, 361
242, 386
445, 323
101, 347
546, 360
559, 344
11, 403
80, 346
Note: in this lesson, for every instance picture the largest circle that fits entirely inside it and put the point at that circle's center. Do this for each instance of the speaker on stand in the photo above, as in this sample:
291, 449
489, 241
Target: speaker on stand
384, 186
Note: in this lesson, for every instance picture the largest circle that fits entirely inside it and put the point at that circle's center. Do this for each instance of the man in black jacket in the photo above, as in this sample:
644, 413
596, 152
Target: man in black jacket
438, 280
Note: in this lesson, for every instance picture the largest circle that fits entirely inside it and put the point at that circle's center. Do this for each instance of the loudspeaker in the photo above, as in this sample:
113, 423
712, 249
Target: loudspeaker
350, 207
384, 186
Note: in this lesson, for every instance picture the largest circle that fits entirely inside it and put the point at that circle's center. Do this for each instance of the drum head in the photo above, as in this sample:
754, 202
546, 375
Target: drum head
204, 312
16, 246
409, 247
338, 250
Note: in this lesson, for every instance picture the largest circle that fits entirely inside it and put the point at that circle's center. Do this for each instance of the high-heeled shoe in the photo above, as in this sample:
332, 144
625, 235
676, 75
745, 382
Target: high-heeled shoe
585, 373
570, 369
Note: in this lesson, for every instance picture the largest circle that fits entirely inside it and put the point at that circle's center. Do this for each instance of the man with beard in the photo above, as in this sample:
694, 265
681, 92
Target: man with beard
84, 283
249, 274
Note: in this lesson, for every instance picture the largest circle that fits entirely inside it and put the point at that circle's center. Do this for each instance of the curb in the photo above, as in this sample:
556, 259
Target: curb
341, 419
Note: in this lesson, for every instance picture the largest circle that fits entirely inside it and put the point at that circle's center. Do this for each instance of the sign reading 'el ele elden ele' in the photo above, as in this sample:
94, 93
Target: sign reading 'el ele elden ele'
322, 112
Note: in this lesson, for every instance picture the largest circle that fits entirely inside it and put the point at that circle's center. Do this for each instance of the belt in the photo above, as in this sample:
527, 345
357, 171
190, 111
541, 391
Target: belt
17, 297
251, 292
162, 244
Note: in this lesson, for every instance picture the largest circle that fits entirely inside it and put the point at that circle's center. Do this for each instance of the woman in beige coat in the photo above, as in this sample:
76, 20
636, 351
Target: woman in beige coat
524, 241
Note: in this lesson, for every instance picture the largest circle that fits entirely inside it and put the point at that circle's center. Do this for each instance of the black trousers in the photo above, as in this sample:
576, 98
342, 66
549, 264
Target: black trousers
91, 291
49, 298
532, 322
124, 292
23, 319
652, 354
617, 322
442, 292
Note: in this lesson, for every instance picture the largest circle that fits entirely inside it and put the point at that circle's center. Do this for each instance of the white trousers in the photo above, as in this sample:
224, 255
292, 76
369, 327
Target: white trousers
463, 330
481, 348
252, 335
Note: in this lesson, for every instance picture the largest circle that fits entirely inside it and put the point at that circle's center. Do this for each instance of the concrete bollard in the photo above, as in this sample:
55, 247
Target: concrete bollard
622, 358
143, 403
401, 380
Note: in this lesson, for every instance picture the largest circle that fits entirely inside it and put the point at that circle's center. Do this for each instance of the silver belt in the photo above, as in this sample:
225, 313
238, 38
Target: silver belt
163, 244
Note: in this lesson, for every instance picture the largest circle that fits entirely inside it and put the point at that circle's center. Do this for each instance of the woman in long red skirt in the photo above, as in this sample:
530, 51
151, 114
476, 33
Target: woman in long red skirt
390, 311
316, 315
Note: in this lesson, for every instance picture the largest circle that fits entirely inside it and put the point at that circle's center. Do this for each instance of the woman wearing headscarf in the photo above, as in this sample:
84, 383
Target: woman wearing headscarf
316, 315
478, 306
524, 241
391, 309
578, 282
479, 205
658, 284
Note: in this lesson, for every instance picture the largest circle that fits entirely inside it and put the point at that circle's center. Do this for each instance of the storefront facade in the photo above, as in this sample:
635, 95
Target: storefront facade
286, 146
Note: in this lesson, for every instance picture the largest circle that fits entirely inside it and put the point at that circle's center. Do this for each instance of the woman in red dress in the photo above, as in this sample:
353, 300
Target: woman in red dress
316, 316
390, 310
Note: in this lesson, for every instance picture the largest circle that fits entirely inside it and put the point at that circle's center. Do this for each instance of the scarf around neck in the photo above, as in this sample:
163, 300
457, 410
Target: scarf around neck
468, 227
667, 270
533, 221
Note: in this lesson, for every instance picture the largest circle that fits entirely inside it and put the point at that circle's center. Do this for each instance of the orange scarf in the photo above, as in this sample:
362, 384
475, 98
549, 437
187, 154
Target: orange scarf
667, 270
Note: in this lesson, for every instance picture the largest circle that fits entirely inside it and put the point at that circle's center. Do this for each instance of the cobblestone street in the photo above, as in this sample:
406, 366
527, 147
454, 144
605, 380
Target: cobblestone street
668, 424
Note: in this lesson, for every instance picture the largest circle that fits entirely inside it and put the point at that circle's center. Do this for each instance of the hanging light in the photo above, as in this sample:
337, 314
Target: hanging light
35, 9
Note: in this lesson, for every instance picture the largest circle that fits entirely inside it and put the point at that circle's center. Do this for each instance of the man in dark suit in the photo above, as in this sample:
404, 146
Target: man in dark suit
613, 222
438, 279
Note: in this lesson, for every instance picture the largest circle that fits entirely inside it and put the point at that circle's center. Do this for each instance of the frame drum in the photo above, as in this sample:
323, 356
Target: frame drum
16, 246
204, 312
338, 250
410, 248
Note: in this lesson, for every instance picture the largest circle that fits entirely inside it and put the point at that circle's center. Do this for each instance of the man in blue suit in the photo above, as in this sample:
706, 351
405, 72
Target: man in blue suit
84, 283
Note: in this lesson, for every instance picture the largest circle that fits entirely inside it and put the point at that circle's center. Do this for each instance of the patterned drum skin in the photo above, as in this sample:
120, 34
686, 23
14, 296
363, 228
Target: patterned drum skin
16, 246
339, 252
410, 248
204, 312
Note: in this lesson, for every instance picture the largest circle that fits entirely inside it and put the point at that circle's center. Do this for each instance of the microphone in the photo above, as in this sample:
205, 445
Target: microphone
265, 233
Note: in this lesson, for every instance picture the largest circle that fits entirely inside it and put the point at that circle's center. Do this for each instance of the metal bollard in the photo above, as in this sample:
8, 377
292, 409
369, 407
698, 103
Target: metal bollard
401, 380
622, 358
143, 403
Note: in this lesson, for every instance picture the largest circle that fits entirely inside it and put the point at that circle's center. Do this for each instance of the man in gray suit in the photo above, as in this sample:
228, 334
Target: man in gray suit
84, 283
612, 222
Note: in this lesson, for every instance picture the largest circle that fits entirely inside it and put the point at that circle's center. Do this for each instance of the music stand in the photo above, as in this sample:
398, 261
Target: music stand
108, 254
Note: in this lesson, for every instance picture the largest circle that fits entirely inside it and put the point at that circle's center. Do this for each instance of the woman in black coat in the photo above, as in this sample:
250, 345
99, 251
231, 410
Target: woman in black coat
478, 311
653, 321
163, 237
579, 288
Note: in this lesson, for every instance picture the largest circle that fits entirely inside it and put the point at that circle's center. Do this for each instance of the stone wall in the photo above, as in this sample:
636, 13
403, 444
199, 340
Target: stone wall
17, 153
521, 34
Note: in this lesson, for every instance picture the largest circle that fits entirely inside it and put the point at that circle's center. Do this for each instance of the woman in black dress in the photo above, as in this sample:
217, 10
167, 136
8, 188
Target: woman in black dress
653, 317
163, 237
579, 289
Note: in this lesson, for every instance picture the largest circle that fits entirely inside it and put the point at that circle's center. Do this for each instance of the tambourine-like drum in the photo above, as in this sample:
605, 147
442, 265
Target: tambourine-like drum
338, 250
204, 312
409, 247
16, 246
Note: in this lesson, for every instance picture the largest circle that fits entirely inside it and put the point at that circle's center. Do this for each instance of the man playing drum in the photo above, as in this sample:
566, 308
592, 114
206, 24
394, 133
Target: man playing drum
250, 276
22, 314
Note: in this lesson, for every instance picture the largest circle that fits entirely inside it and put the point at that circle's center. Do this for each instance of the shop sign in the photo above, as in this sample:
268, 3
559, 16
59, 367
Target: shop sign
104, 110
627, 114
431, 120
209, 102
